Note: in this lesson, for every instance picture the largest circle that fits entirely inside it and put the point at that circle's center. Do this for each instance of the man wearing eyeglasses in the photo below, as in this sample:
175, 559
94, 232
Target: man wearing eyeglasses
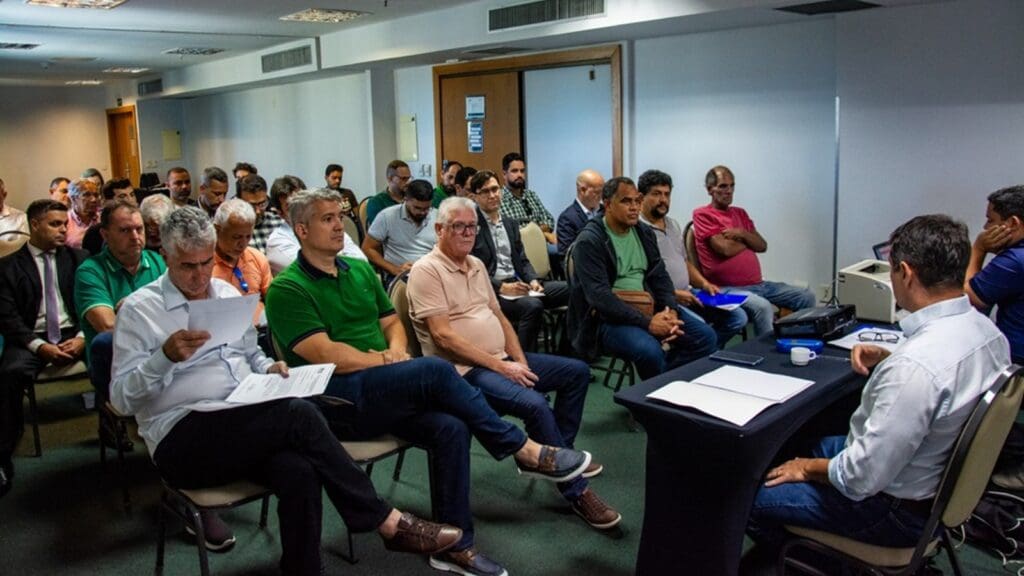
253, 189
85, 210
727, 247
877, 483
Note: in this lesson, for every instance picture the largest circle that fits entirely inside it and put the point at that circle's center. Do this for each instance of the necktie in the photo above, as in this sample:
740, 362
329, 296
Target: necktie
50, 294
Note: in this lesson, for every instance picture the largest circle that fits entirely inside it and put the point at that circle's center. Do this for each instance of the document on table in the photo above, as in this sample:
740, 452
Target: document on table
301, 382
732, 393
533, 293
226, 319
854, 338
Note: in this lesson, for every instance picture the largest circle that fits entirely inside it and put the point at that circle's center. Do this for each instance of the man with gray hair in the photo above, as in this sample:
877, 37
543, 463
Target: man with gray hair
213, 189
155, 209
235, 262
85, 209
197, 439
326, 309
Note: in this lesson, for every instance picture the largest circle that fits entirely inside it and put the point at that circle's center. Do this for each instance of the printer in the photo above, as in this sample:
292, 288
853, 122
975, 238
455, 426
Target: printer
866, 285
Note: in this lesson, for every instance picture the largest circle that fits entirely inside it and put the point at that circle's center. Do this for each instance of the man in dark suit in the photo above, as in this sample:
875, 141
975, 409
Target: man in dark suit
584, 207
37, 317
500, 247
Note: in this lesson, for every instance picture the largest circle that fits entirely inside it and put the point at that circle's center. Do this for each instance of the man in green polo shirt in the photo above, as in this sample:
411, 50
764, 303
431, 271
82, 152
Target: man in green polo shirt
398, 176
446, 186
104, 280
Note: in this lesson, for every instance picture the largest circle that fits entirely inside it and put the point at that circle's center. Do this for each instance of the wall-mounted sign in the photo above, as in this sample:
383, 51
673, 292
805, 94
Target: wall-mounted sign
475, 107
476, 136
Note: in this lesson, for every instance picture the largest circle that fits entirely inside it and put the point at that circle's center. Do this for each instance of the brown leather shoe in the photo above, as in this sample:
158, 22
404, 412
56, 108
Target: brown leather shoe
594, 511
421, 537
593, 469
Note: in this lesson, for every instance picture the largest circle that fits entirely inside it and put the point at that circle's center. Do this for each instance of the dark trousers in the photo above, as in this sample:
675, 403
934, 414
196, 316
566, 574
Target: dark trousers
424, 401
101, 356
568, 378
644, 350
287, 446
527, 313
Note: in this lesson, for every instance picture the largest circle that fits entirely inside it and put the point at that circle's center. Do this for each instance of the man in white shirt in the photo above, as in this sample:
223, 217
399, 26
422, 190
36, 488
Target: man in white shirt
197, 439
282, 244
877, 484
12, 220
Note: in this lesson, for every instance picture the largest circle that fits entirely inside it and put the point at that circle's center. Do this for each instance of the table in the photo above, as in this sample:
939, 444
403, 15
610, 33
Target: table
703, 473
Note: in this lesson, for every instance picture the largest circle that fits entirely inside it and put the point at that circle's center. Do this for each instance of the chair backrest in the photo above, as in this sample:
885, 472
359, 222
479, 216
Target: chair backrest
536, 247
352, 229
398, 293
690, 243
570, 265
978, 447
11, 241
362, 215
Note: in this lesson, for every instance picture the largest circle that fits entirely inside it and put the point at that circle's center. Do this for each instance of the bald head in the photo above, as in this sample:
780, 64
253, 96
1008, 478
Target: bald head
588, 188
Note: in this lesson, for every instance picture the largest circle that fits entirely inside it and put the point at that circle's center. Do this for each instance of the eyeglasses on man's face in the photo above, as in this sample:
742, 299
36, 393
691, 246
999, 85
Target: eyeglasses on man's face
886, 337
463, 228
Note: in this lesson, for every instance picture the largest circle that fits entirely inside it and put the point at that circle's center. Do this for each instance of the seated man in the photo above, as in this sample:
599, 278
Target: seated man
113, 191
59, 190
213, 190
253, 189
197, 440
37, 317
12, 220
243, 169
324, 309
155, 209
618, 253
85, 210
282, 245
500, 247
656, 188
586, 206
877, 484
457, 317
524, 205
334, 174
462, 178
104, 281
403, 233
446, 185
235, 261
727, 245
398, 178
179, 187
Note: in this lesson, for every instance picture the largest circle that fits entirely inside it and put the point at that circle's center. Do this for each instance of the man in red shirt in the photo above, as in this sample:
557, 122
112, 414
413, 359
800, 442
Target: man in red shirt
727, 246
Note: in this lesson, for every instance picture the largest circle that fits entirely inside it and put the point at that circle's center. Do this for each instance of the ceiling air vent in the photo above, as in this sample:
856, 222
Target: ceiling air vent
285, 59
542, 11
151, 87
17, 46
829, 7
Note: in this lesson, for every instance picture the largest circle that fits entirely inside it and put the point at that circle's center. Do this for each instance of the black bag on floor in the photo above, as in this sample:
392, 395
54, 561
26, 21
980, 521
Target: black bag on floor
997, 527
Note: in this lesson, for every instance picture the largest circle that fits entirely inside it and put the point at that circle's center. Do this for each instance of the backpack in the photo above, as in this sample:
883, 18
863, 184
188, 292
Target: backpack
997, 527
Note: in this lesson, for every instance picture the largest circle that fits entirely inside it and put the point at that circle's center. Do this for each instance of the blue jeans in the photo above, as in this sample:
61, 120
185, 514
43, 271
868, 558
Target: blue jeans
568, 378
424, 401
760, 298
644, 350
726, 323
876, 520
101, 355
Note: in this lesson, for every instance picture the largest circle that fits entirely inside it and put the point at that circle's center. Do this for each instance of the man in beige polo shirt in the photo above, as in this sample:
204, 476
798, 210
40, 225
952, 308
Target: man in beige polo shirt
457, 317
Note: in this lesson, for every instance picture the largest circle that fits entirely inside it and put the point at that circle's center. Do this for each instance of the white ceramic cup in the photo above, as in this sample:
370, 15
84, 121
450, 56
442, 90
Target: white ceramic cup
800, 356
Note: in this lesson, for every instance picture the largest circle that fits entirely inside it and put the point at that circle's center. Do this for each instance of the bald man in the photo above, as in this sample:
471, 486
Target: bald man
587, 205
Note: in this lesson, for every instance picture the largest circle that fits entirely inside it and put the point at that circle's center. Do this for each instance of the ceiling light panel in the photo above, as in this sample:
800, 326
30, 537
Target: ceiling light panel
83, 82
324, 15
100, 4
193, 51
125, 70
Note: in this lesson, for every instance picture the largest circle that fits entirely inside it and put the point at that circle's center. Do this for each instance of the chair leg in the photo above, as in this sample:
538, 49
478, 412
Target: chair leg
609, 371
264, 509
120, 430
161, 532
398, 466
31, 393
192, 513
953, 561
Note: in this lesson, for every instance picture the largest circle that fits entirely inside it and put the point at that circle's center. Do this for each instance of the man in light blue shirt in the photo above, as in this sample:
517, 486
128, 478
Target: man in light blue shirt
402, 234
876, 485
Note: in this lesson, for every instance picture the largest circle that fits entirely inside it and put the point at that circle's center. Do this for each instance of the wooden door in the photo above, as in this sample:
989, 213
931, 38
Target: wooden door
501, 123
124, 144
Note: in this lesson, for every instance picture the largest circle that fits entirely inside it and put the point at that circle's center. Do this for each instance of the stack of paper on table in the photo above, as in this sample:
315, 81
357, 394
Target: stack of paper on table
731, 393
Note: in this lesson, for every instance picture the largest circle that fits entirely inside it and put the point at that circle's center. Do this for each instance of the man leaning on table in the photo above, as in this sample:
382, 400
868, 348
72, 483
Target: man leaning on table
876, 484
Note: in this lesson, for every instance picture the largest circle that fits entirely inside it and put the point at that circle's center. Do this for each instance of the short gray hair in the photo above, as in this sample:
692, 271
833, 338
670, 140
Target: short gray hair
187, 228
156, 208
214, 173
234, 208
300, 204
453, 204
77, 186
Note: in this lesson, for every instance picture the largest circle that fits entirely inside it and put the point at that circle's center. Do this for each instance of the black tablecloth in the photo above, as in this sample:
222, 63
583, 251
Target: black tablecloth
703, 472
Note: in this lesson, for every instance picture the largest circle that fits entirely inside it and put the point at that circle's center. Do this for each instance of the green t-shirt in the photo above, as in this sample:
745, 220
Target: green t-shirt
630, 259
102, 281
304, 300
375, 204
439, 196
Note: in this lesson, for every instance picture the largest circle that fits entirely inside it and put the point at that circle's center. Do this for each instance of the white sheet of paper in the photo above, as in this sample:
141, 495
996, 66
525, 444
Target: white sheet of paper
730, 406
226, 319
851, 339
301, 382
533, 293
775, 387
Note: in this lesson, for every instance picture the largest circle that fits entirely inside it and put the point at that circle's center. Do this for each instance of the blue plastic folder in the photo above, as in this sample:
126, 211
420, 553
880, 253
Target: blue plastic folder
720, 300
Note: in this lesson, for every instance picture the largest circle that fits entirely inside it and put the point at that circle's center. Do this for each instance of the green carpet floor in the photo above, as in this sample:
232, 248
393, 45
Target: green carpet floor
65, 516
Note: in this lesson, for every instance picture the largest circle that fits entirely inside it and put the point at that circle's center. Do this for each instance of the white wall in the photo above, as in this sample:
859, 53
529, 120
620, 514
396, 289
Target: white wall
761, 101
154, 117
289, 129
567, 129
414, 96
932, 114
47, 132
